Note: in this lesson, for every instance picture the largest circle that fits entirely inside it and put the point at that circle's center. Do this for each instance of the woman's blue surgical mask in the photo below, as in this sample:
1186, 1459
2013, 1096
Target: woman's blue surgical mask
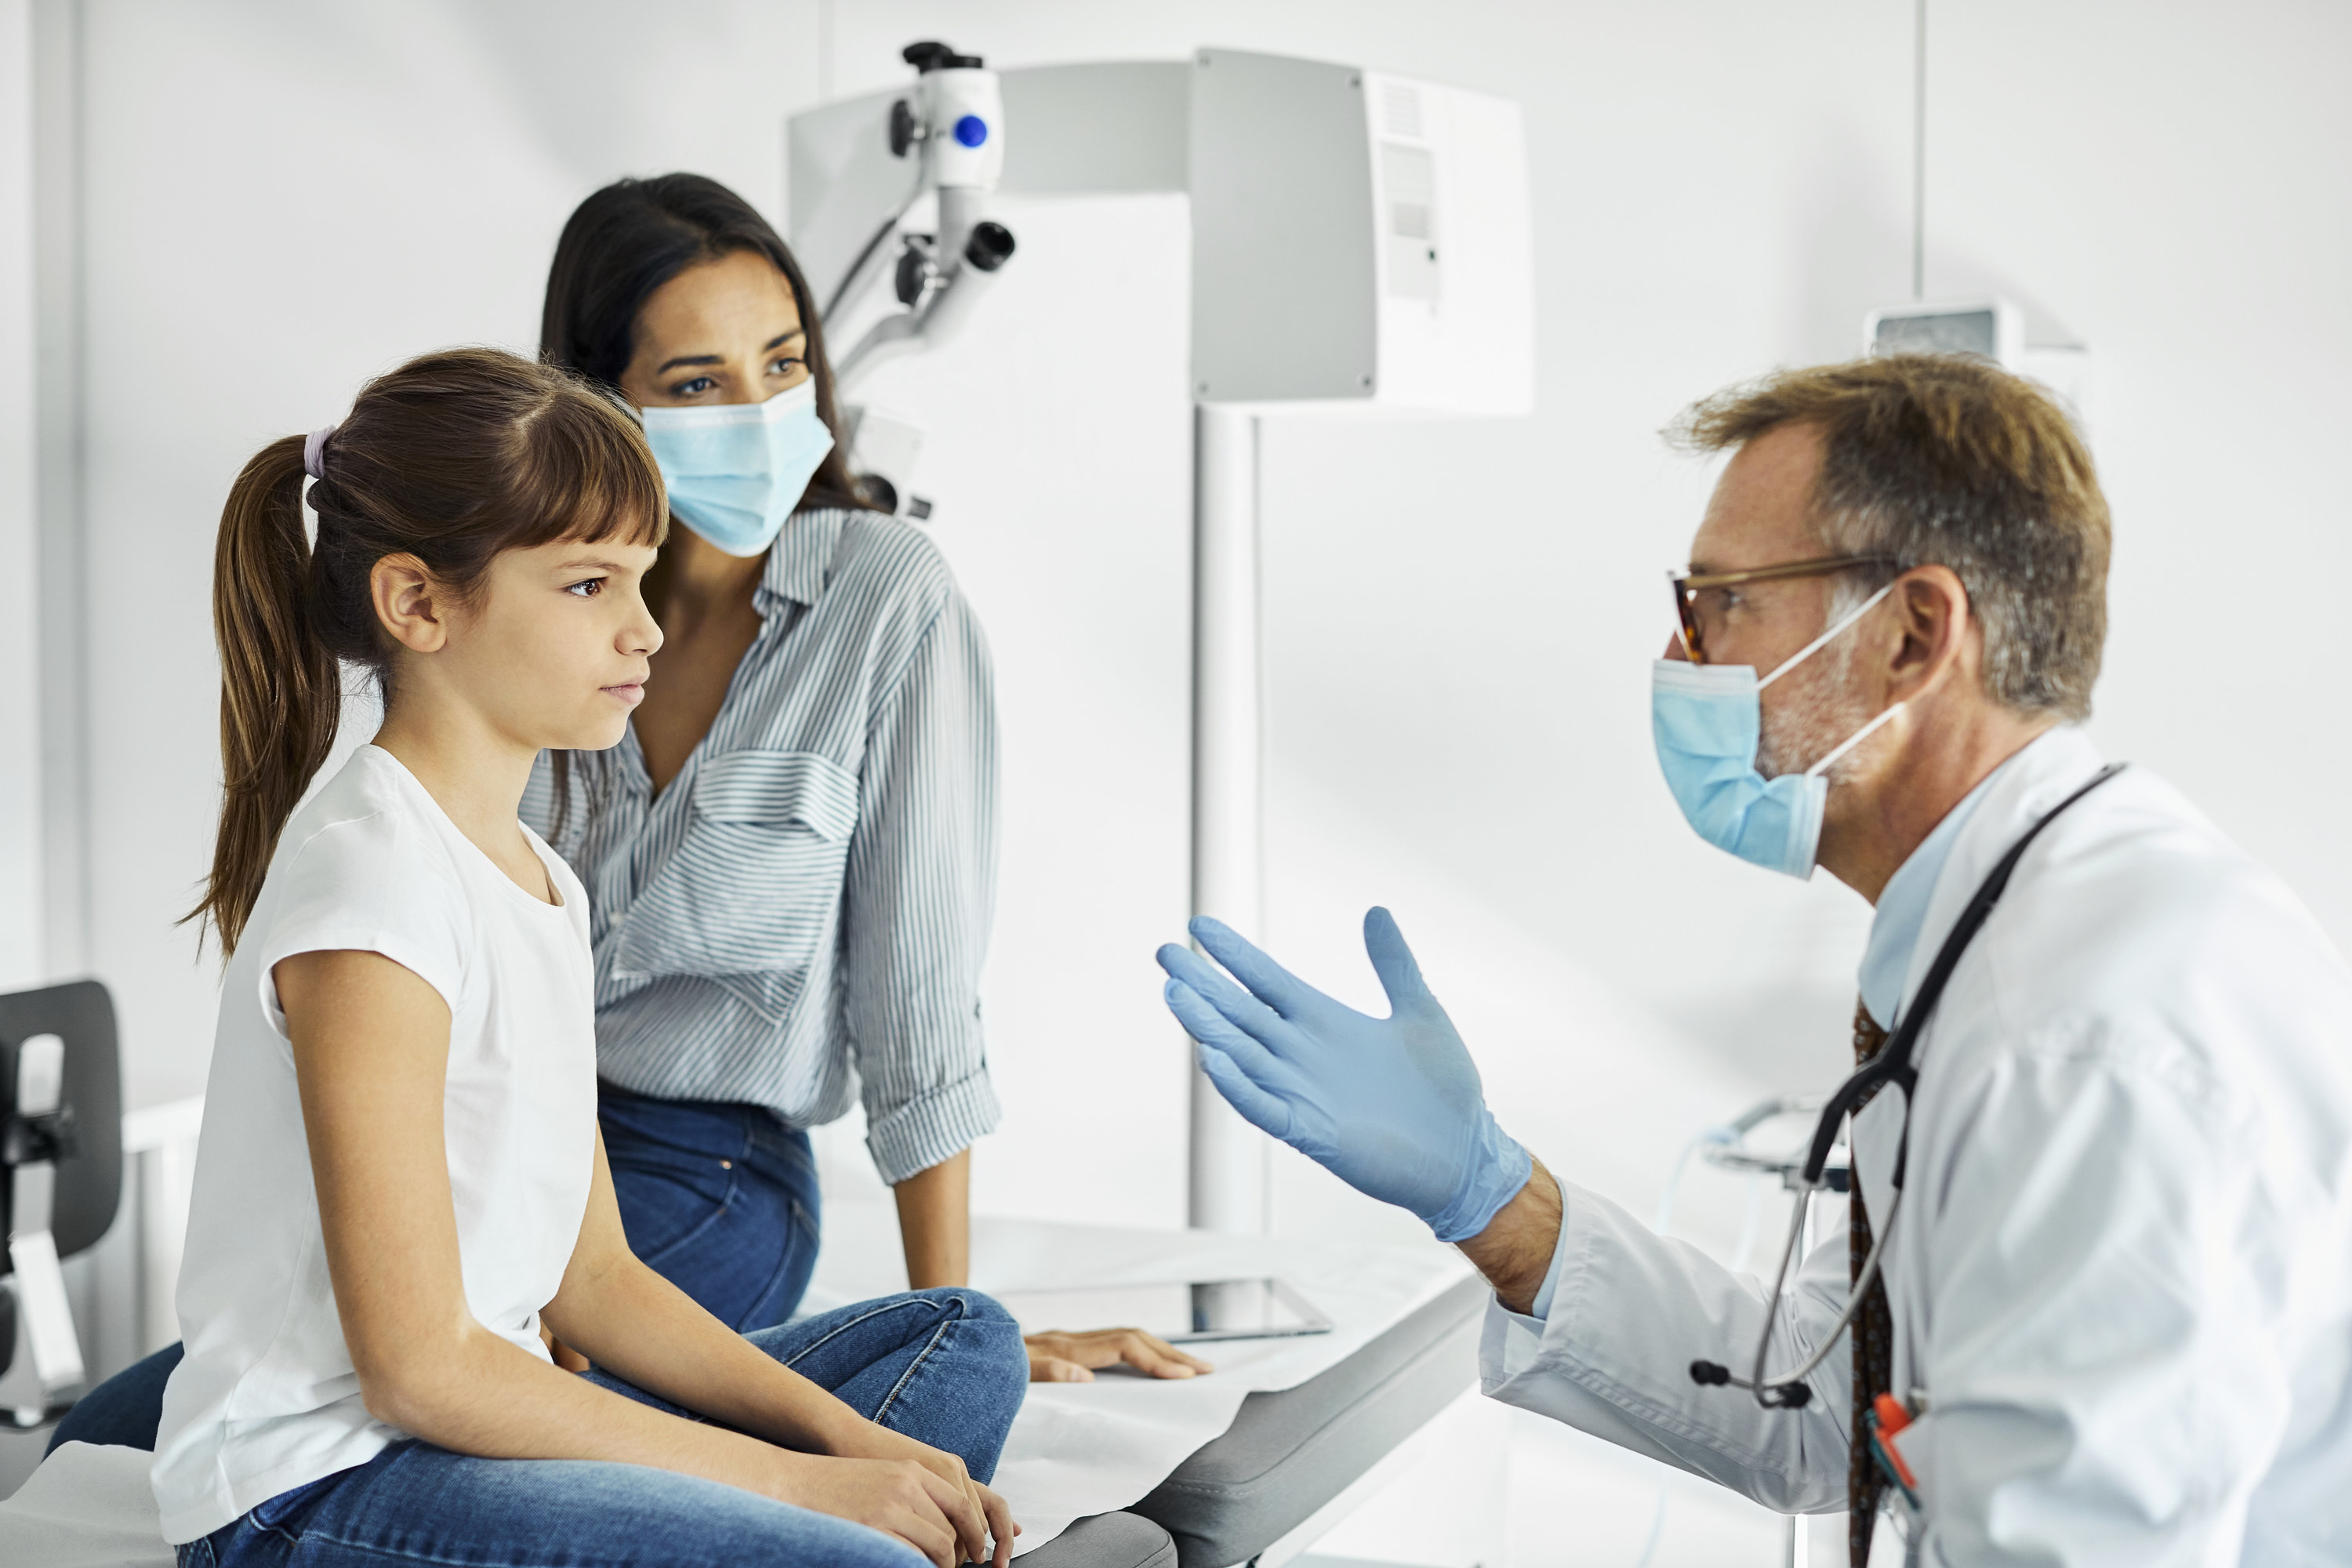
735, 470
1707, 719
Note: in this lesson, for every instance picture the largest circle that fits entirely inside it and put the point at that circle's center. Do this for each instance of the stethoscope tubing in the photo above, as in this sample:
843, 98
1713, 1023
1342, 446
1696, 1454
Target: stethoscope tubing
1797, 1374
1891, 1065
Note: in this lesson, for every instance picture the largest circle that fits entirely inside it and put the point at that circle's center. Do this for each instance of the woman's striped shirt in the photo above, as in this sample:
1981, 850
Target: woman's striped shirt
803, 914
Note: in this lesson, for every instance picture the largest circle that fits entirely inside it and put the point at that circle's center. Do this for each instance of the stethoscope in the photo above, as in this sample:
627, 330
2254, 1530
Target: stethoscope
1891, 1065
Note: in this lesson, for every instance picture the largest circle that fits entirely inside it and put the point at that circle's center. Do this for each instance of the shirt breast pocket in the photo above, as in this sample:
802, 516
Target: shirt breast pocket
754, 886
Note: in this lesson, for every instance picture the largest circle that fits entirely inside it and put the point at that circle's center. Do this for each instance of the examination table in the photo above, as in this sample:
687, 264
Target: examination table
1274, 1471
1288, 1453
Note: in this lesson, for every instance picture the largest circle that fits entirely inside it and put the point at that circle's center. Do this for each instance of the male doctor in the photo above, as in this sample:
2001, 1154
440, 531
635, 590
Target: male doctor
2113, 1321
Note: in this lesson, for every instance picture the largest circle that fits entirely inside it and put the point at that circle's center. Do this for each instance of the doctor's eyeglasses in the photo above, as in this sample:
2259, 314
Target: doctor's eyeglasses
1690, 587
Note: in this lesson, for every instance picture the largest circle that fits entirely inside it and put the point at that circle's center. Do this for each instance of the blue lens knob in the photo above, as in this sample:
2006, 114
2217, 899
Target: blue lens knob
972, 130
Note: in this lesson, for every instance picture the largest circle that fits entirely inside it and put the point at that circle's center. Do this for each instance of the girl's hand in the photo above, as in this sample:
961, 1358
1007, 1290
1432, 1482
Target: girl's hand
1059, 1356
879, 1443
940, 1518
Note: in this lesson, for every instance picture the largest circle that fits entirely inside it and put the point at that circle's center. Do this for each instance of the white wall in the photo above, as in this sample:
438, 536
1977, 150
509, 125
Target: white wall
282, 198
21, 958
2175, 182
1458, 615
1061, 465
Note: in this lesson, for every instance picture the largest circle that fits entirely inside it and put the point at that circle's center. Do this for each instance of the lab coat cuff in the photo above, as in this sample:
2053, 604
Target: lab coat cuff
1539, 1311
1512, 1341
935, 1125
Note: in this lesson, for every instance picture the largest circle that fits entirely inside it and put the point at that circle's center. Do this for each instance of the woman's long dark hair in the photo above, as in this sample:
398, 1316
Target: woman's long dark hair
451, 458
633, 236
618, 247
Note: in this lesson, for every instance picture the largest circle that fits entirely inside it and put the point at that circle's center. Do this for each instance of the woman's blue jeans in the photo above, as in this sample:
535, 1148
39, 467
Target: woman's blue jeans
722, 1200
944, 1366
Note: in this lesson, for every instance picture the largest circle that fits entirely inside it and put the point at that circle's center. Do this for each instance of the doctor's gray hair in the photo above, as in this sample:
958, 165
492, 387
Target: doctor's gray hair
1947, 460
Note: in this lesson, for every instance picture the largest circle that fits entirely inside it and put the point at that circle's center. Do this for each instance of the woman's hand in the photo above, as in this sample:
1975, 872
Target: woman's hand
870, 1441
1060, 1356
943, 1519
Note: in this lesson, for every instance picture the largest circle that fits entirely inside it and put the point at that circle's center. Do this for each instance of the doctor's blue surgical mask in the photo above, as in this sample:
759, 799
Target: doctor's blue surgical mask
1707, 719
735, 470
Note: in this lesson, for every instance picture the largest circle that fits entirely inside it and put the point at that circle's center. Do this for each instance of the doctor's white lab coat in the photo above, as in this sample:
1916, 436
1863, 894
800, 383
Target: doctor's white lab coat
2122, 1275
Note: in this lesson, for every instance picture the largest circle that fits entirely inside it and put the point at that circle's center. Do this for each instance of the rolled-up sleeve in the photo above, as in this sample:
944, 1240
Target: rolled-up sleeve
918, 899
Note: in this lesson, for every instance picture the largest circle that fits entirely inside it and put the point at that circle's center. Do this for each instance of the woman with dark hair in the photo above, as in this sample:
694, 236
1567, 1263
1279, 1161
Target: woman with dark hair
790, 856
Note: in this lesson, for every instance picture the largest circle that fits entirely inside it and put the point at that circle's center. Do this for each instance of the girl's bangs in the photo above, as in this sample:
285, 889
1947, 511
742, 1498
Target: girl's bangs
606, 487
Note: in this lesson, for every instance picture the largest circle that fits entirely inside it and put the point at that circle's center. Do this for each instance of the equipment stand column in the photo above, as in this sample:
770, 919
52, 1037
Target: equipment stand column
1229, 1157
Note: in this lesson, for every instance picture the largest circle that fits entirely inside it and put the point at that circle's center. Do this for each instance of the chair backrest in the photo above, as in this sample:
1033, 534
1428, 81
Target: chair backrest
89, 1180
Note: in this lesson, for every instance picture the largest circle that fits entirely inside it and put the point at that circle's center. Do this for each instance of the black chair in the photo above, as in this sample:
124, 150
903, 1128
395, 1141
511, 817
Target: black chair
60, 1180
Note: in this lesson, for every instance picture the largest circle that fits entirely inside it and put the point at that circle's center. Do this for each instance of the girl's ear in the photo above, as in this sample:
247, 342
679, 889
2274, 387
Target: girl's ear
410, 604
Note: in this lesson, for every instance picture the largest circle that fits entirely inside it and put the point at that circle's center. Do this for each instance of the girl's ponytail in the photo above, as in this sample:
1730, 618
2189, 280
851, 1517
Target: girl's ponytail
281, 690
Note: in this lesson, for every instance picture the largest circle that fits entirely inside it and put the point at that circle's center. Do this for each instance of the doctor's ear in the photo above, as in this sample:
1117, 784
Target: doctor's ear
1931, 609
411, 603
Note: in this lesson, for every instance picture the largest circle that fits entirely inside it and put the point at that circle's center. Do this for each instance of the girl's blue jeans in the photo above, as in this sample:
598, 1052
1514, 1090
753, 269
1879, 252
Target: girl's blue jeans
722, 1200
944, 1366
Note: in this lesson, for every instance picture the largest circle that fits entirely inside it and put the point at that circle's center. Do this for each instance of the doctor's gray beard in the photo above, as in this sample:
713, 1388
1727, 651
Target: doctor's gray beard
1814, 719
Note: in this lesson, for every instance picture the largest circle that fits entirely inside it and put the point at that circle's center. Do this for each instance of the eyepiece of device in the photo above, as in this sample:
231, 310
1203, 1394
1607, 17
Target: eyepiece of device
989, 247
933, 56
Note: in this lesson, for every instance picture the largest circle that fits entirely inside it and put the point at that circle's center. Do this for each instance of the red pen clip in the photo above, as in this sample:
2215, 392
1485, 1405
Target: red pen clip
1887, 1417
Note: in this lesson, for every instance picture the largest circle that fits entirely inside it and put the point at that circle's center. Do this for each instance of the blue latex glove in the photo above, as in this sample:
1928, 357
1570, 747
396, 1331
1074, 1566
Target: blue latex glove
1390, 1106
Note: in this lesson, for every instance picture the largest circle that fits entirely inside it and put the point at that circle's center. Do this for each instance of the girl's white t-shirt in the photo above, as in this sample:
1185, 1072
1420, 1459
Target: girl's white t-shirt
266, 1399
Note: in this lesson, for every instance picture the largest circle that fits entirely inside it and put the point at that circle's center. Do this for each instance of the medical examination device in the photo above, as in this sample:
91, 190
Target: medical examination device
1361, 246
1991, 326
946, 141
1891, 1065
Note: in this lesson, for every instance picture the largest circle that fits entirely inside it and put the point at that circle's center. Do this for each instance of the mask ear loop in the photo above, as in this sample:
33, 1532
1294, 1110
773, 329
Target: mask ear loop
1819, 643
1814, 647
1856, 739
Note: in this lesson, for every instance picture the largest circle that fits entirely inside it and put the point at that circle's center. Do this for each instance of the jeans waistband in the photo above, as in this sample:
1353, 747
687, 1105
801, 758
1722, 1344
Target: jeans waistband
725, 1128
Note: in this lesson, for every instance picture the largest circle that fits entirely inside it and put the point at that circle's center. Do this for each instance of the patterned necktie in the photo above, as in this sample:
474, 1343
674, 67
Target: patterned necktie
1874, 1343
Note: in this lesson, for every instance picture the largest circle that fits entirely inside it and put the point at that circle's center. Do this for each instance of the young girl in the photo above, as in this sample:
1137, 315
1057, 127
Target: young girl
401, 1178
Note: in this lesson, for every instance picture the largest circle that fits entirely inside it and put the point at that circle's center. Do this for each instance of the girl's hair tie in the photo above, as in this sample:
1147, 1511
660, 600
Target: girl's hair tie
314, 451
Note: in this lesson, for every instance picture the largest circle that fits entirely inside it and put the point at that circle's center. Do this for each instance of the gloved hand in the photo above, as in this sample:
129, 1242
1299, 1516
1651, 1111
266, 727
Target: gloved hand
1390, 1106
